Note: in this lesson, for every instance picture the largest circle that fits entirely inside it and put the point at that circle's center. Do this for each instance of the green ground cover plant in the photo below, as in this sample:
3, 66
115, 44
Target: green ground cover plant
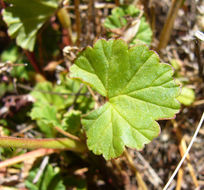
85, 101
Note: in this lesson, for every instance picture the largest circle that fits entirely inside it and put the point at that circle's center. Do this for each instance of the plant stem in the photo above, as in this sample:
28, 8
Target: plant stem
117, 2
54, 143
199, 58
182, 149
2, 4
69, 135
91, 21
78, 21
166, 31
179, 179
65, 20
31, 58
29, 155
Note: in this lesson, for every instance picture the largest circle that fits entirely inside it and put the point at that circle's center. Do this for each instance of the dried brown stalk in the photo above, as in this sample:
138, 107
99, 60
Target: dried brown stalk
32, 154
67, 134
90, 24
182, 149
65, 20
117, 2
140, 181
166, 31
179, 179
78, 20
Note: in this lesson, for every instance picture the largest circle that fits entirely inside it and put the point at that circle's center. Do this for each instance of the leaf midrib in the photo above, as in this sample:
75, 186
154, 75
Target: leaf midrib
132, 126
129, 82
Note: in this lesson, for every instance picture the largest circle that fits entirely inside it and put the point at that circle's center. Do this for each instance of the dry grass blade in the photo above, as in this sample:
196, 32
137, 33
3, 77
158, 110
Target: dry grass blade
186, 153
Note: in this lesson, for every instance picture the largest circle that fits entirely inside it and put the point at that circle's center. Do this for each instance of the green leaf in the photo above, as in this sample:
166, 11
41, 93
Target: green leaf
144, 34
5, 88
43, 93
25, 19
11, 54
50, 179
187, 96
138, 89
46, 118
117, 20
55, 105
72, 121
47, 113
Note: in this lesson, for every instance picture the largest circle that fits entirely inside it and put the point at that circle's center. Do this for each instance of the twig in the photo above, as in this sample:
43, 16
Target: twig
182, 148
91, 21
31, 58
2, 4
78, 21
140, 181
199, 58
179, 179
67, 134
186, 153
32, 154
76, 97
157, 179
41, 169
198, 102
65, 20
166, 31
23, 130
94, 96
117, 2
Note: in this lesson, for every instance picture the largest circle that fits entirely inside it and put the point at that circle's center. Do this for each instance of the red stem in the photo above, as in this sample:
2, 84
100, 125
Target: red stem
31, 58
66, 37
32, 154
2, 4
78, 21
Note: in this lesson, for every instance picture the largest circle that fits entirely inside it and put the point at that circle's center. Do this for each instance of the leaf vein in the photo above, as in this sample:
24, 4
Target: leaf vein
128, 83
128, 122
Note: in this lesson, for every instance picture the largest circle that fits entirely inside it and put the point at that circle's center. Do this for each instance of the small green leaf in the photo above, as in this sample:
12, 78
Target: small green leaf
5, 88
187, 96
44, 94
55, 105
139, 91
46, 118
72, 122
11, 54
47, 113
144, 34
25, 19
117, 20
50, 179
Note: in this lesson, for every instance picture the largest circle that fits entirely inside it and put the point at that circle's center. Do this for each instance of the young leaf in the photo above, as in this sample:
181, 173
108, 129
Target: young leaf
187, 96
46, 118
43, 95
25, 19
50, 179
117, 20
72, 122
139, 91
